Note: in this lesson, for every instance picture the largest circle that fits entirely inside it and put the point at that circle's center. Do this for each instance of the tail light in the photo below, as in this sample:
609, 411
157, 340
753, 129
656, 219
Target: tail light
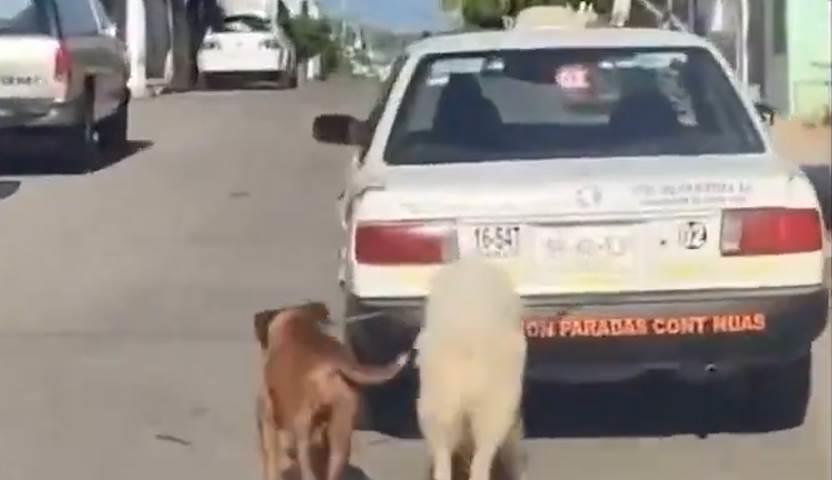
210, 45
404, 243
270, 44
770, 231
63, 71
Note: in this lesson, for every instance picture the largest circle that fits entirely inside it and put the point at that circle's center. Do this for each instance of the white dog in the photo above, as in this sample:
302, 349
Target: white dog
471, 359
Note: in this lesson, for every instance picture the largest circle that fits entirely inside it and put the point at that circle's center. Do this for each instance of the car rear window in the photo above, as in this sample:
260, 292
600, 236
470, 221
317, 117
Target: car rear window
246, 23
559, 103
22, 17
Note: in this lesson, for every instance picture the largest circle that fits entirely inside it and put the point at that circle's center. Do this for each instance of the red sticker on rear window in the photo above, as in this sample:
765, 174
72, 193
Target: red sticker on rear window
573, 77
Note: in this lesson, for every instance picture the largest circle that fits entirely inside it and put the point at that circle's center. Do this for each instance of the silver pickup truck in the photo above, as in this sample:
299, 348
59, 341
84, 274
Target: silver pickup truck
63, 79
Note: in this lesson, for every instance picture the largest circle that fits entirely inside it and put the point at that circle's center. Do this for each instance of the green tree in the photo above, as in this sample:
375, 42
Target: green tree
488, 13
310, 35
485, 13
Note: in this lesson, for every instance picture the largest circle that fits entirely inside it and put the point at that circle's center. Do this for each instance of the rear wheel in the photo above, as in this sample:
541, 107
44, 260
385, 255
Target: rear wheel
288, 79
81, 139
112, 131
208, 82
293, 79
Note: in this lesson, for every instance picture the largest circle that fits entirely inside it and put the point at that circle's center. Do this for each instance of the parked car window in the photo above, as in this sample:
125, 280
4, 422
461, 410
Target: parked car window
378, 108
103, 17
22, 17
77, 17
246, 23
387, 87
541, 104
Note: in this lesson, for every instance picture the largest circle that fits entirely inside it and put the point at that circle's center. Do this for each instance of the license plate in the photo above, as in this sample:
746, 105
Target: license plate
586, 247
494, 241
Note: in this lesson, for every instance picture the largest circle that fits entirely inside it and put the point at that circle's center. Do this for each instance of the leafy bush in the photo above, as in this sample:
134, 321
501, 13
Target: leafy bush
489, 13
310, 35
331, 59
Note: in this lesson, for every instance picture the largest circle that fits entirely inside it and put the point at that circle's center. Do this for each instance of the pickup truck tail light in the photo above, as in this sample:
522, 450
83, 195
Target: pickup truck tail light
63, 71
404, 243
770, 231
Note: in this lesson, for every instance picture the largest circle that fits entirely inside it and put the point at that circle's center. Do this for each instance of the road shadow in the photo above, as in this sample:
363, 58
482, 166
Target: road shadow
650, 406
244, 86
26, 161
350, 472
821, 178
8, 188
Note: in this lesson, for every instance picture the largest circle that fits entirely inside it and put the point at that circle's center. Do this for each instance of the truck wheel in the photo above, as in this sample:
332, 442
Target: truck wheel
779, 395
81, 142
112, 131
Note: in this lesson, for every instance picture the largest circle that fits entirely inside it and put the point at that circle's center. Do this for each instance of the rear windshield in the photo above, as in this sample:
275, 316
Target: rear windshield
543, 104
22, 17
246, 23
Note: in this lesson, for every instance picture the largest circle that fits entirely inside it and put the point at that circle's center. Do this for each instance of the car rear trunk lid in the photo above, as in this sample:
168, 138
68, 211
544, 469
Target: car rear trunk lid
28, 83
607, 225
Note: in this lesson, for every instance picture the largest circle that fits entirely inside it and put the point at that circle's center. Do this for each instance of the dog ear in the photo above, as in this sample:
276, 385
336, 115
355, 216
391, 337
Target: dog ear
262, 320
317, 311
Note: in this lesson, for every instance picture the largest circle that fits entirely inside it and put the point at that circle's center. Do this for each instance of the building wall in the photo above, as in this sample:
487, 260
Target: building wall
776, 84
158, 34
809, 50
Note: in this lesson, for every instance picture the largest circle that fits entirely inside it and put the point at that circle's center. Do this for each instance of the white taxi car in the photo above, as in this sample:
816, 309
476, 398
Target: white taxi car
625, 181
249, 46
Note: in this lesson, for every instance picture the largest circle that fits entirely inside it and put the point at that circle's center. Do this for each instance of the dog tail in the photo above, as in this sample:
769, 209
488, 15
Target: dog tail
367, 375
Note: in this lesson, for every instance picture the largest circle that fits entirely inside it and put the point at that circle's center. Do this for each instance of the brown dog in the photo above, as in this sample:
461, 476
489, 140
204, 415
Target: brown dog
309, 396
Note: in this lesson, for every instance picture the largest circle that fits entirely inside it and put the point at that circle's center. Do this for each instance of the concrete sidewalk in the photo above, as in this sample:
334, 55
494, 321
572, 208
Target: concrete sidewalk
804, 144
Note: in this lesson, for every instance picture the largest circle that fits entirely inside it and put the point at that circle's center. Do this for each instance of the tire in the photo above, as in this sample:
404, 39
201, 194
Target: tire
208, 82
779, 395
288, 80
81, 142
112, 131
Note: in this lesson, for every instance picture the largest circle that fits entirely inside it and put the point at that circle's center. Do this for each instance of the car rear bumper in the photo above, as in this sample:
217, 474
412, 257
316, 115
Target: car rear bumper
615, 337
267, 61
19, 114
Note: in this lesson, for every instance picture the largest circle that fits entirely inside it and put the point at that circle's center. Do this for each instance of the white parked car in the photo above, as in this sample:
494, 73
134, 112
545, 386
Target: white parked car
248, 47
651, 228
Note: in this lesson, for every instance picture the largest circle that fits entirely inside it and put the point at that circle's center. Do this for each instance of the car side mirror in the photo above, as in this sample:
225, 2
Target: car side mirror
339, 129
766, 112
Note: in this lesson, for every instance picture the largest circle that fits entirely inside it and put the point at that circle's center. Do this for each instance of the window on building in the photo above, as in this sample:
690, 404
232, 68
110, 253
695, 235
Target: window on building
77, 17
780, 27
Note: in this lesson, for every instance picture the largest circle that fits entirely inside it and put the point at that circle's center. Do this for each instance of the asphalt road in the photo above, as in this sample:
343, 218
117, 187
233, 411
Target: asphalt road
126, 343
